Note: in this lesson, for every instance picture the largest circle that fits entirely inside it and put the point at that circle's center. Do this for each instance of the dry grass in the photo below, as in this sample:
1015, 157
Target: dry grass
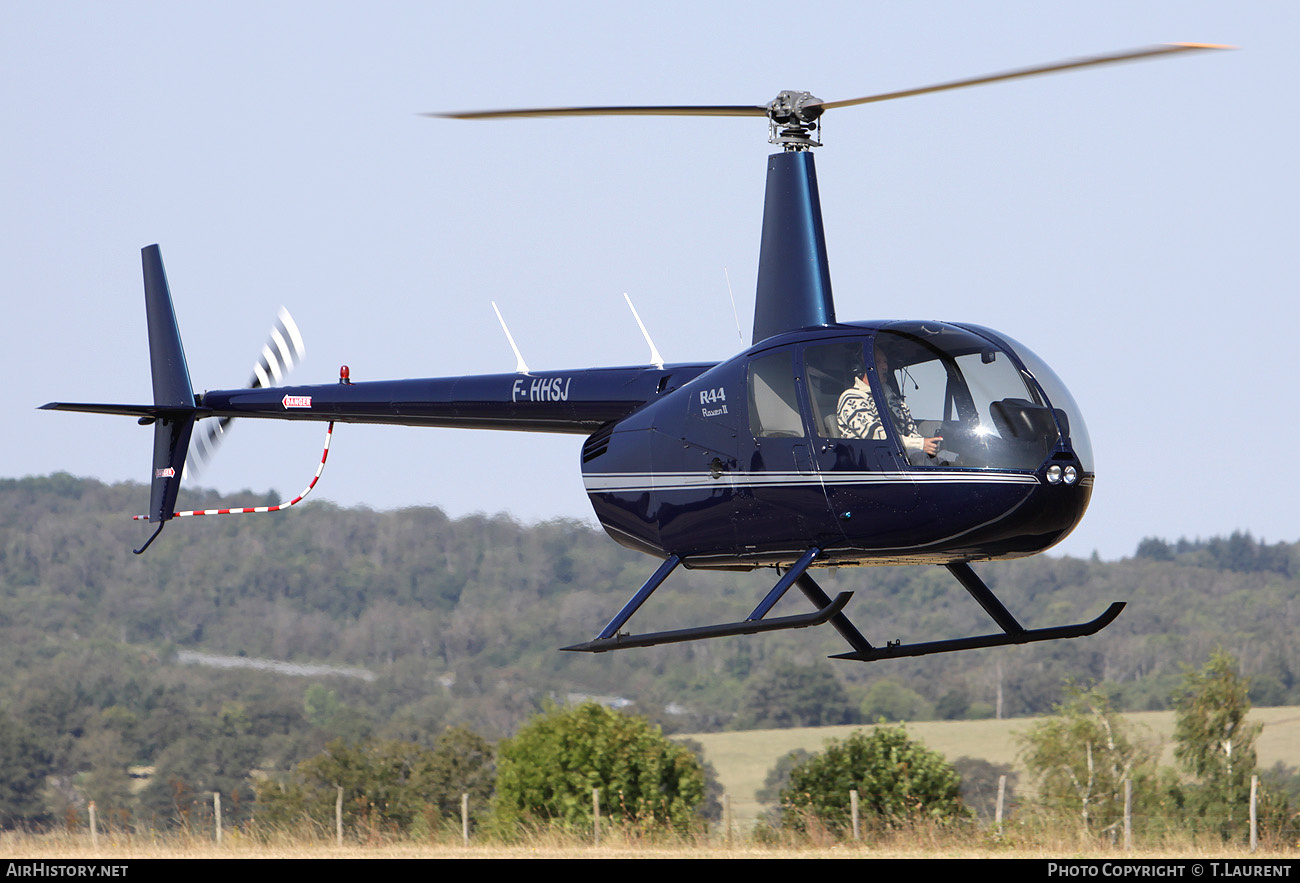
742, 759
909, 843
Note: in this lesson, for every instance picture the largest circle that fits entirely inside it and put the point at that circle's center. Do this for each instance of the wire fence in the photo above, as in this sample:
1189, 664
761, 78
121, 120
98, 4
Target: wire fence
1254, 824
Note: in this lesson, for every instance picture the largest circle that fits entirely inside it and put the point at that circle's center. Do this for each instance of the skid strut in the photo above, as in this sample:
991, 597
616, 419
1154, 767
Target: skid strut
611, 639
831, 610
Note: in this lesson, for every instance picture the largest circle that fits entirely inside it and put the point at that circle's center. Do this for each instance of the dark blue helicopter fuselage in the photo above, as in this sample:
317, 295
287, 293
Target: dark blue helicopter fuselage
692, 475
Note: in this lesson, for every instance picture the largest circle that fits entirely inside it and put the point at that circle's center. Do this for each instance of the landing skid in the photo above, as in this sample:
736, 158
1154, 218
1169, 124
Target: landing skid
611, 639
828, 610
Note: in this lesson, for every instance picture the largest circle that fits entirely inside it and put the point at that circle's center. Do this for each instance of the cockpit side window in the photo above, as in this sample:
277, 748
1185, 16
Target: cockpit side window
773, 401
829, 370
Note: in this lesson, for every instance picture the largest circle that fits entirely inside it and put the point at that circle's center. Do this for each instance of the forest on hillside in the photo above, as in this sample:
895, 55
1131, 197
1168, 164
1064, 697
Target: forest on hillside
435, 622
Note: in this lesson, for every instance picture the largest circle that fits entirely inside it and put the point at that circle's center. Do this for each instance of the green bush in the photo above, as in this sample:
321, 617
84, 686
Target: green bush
546, 773
897, 780
388, 786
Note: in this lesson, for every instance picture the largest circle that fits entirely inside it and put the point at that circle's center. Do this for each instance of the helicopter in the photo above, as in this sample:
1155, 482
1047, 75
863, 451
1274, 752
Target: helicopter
824, 444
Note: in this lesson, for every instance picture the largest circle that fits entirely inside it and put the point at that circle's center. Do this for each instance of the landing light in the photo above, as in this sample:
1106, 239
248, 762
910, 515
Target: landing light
1053, 474
1071, 475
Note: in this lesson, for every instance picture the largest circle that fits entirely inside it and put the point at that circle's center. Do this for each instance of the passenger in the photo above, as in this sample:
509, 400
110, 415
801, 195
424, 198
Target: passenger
858, 417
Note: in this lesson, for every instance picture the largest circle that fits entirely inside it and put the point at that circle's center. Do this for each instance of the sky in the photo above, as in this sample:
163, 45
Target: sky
1134, 225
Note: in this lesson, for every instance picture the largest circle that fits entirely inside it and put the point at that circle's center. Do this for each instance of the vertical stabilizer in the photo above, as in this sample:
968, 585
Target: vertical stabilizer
171, 390
794, 279
171, 376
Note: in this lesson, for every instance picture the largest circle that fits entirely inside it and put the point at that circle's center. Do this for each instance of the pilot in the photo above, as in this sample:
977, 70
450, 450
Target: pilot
857, 416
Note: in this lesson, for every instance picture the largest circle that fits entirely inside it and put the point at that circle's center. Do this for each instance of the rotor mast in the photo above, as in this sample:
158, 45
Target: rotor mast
794, 277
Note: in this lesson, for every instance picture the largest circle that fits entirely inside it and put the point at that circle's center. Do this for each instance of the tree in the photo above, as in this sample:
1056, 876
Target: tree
979, 786
710, 808
791, 695
1215, 744
1081, 757
463, 762
897, 780
23, 767
547, 771
387, 784
217, 756
778, 777
892, 701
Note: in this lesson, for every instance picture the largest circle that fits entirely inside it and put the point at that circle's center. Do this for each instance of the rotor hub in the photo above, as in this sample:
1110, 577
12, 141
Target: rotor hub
792, 118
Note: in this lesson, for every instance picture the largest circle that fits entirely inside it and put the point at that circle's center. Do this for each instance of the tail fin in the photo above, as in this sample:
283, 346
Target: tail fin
173, 397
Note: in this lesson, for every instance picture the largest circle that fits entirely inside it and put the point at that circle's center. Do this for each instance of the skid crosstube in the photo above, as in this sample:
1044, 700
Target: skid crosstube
831, 610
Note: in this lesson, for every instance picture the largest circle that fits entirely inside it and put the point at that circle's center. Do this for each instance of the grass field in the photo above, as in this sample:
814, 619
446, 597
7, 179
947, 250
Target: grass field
743, 759
907, 844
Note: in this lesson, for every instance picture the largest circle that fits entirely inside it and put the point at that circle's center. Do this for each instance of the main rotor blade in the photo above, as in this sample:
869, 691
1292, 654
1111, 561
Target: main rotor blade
1069, 64
715, 110
762, 110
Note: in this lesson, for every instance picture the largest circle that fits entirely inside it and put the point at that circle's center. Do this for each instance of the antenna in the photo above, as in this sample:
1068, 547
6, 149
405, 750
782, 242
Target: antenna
520, 367
732, 294
655, 359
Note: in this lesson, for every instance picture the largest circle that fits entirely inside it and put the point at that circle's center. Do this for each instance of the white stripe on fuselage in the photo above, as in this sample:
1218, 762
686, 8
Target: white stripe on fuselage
634, 482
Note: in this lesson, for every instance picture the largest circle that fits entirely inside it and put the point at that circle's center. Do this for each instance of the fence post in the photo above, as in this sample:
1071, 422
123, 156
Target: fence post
338, 817
595, 814
94, 831
853, 812
1128, 815
216, 812
726, 815
1254, 804
1002, 797
464, 816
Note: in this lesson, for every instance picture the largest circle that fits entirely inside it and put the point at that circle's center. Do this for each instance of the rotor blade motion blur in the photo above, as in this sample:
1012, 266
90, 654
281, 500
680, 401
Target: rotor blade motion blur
718, 110
1056, 67
284, 348
809, 108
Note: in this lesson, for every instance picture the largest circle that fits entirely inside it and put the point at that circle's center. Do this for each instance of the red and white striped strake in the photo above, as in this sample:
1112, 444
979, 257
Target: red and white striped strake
329, 432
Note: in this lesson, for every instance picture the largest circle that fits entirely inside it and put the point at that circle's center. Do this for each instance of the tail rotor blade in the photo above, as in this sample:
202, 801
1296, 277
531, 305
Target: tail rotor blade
283, 350
206, 442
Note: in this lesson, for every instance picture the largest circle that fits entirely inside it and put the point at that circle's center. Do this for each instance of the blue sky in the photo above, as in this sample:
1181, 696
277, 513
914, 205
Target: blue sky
1134, 225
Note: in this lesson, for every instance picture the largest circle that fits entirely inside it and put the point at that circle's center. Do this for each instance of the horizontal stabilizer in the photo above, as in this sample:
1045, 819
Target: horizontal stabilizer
145, 412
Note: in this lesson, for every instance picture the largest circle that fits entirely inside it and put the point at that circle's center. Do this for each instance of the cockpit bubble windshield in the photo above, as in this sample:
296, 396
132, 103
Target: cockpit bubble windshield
946, 384
1057, 394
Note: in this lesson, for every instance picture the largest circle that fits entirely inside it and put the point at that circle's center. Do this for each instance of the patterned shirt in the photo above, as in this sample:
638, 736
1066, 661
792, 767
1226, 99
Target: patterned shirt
857, 416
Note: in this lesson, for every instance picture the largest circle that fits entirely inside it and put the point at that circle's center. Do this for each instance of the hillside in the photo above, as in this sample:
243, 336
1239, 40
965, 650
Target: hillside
458, 621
